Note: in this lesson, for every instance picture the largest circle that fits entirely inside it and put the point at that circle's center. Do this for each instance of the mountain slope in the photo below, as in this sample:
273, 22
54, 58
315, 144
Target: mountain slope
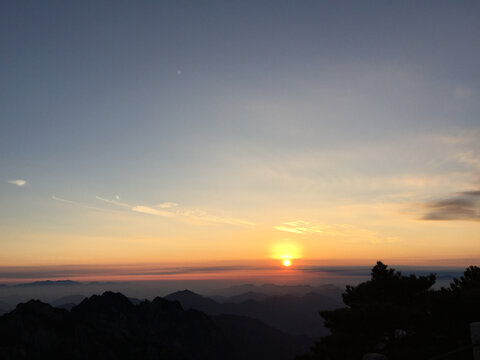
297, 315
110, 327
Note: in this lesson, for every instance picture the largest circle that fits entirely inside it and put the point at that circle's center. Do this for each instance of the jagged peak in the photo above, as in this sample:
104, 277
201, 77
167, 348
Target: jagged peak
108, 300
33, 304
185, 292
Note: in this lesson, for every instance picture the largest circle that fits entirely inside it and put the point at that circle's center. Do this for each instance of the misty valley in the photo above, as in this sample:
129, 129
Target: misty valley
391, 315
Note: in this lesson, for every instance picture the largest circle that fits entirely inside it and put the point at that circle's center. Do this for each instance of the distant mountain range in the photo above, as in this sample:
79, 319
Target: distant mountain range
4, 307
68, 302
229, 293
45, 283
290, 313
111, 327
58, 283
292, 309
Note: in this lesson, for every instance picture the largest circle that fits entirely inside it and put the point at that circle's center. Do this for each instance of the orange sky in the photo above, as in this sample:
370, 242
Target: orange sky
224, 132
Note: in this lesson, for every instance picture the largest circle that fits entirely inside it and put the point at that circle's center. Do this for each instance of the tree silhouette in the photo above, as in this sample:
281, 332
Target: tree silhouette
469, 280
401, 317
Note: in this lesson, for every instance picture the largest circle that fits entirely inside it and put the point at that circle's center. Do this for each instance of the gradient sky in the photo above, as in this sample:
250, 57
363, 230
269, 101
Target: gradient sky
216, 131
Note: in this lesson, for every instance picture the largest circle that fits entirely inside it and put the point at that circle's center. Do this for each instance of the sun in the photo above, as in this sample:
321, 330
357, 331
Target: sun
286, 251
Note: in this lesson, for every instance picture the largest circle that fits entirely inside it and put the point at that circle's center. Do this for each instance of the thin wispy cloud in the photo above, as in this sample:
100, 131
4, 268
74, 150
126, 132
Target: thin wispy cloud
345, 232
466, 148
171, 209
114, 202
462, 206
18, 182
204, 217
166, 205
462, 137
76, 203
152, 211
136, 208
56, 198
469, 158
299, 227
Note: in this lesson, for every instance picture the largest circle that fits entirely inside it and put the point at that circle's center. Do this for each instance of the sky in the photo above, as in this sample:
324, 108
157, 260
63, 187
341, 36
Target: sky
215, 133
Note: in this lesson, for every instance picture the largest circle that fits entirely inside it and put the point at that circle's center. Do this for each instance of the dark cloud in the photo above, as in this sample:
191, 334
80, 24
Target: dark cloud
66, 272
463, 206
471, 193
19, 275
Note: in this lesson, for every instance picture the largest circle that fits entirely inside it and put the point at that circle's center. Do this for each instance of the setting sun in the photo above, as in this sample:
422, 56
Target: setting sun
164, 157
286, 250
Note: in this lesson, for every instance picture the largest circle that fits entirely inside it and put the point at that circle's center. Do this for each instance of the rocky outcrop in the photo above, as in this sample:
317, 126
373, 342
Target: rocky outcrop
110, 327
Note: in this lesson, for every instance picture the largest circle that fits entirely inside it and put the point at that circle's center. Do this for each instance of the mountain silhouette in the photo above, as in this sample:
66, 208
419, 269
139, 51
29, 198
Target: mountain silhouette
277, 290
67, 302
192, 300
293, 314
249, 295
4, 307
48, 283
111, 327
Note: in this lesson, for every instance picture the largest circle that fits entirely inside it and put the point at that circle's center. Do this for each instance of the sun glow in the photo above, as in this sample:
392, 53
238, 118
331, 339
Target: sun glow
285, 250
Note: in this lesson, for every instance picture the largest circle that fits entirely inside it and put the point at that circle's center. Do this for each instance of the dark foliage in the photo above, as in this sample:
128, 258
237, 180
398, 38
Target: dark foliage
469, 281
402, 317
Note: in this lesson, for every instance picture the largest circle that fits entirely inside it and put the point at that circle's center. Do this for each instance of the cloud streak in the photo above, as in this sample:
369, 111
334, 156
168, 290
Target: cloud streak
56, 198
203, 217
167, 205
345, 232
77, 272
114, 202
18, 182
171, 210
463, 206
165, 210
152, 211
299, 227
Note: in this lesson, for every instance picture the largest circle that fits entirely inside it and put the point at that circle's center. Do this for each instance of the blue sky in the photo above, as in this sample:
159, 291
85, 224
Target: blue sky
358, 118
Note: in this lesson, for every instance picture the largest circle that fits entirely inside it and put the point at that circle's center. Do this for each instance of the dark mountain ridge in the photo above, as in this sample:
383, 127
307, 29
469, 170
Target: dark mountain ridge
290, 313
47, 283
111, 327
274, 289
